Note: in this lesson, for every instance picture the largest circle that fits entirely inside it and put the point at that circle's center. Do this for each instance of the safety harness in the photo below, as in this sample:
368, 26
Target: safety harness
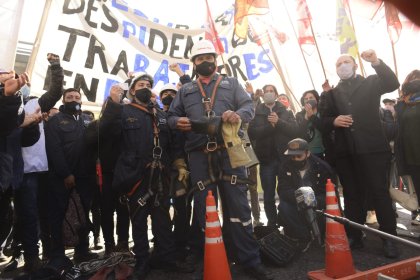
214, 150
155, 172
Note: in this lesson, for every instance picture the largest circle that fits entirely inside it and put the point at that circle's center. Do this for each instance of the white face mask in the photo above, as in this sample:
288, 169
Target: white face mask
269, 97
25, 91
345, 71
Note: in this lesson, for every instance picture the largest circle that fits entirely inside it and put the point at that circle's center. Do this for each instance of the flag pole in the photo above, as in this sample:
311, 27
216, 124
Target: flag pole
395, 58
277, 66
213, 27
362, 68
317, 49
38, 38
300, 47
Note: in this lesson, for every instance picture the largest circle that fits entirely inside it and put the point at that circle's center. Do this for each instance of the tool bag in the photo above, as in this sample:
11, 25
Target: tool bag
74, 220
276, 249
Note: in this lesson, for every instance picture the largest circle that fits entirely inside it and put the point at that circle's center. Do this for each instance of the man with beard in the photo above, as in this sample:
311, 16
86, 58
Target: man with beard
301, 169
70, 168
198, 109
142, 172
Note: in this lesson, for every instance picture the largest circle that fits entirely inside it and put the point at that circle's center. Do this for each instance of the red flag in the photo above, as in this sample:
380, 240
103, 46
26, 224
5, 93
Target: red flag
211, 32
244, 8
393, 22
303, 23
262, 32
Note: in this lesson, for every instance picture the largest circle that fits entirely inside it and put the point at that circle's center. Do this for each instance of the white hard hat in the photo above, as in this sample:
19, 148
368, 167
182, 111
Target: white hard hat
167, 87
138, 77
202, 47
142, 76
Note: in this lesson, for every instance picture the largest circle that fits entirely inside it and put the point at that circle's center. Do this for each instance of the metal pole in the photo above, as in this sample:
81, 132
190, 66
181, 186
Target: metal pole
346, 221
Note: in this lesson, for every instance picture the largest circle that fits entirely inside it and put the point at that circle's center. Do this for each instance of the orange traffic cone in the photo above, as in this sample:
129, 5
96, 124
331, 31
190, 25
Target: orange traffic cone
216, 266
338, 259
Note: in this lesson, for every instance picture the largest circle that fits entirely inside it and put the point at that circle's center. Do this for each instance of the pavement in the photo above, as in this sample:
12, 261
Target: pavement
313, 259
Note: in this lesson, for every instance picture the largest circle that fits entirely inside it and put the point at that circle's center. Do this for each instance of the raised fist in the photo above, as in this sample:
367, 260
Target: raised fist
369, 56
53, 59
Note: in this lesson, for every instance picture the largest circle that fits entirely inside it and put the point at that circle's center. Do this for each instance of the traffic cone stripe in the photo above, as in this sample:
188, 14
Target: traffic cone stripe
330, 220
338, 258
332, 207
216, 265
211, 208
215, 240
213, 224
337, 247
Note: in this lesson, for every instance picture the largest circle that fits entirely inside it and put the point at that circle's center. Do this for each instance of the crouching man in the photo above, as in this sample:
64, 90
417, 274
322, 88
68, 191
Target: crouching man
299, 170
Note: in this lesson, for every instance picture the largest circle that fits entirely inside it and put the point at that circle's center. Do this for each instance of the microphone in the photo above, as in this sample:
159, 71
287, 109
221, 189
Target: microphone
306, 201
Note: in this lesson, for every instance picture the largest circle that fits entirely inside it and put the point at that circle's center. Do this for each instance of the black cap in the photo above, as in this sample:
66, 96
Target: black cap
297, 146
388, 100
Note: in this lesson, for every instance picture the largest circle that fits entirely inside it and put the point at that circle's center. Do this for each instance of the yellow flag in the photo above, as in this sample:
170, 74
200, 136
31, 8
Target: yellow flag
345, 32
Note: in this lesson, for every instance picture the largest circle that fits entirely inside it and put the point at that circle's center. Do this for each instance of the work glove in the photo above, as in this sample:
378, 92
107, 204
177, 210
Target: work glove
183, 175
237, 154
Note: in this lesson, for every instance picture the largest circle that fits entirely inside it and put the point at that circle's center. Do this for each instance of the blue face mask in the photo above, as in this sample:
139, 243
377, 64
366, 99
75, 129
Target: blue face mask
25, 91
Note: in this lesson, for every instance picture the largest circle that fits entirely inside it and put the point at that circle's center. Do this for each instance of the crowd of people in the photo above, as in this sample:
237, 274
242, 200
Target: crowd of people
139, 159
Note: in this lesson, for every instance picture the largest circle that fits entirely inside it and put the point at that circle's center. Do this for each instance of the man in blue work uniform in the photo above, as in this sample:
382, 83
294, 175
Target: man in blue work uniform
69, 168
142, 171
210, 97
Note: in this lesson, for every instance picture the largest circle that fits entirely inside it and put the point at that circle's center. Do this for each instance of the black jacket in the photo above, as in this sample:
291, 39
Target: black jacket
359, 97
55, 89
316, 177
271, 142
66, 146
9, 118
399, 141
306, 127
134, 129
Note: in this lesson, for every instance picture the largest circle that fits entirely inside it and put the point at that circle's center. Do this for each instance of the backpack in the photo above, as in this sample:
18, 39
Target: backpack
74, 220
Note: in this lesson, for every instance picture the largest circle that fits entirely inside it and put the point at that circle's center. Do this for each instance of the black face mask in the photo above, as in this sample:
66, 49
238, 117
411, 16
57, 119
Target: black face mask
298, 165
143, 95
72, 107
313, 103
205, 68
167, 100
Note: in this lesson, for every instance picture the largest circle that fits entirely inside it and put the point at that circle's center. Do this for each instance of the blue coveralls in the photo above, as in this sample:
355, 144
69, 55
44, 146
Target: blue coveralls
67, 155
135, 129
237, 213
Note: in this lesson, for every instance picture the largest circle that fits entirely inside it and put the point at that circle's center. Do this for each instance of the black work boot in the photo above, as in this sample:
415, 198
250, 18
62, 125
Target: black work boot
140, 271
32, 264
390, 249
259, 272
122, 247
84, 257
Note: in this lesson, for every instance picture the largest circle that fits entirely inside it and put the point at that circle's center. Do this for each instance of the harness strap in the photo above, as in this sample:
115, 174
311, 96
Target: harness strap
156, 163
208, 103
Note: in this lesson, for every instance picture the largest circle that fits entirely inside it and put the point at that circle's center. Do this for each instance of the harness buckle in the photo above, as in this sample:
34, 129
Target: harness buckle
211, 114
141, 201
211, 146
233, 179
123, 199
157, 152
200, 185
